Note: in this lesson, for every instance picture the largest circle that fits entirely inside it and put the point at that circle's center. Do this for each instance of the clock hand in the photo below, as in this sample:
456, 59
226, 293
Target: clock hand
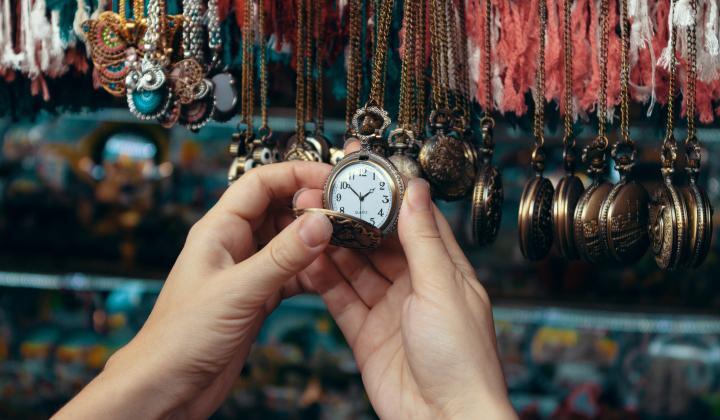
355, 192
372, 190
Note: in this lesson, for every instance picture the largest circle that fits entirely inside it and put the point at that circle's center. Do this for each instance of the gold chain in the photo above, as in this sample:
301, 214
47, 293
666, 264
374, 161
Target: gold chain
568, 138
692, 148
354, 68
377, 86
248, 70
602, 94
668, 153
319, 27
138, 9
309, 34
487, 57
460, 60
419, 12
539, 122
300, 73
263, 68
406, 110
624, 74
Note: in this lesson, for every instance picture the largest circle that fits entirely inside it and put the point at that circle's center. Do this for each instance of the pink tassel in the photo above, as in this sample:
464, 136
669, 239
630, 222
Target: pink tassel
582, 51
554, 73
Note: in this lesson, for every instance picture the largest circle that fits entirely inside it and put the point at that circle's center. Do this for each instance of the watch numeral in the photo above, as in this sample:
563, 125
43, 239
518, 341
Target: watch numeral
382, 185
364, 172
342, 209
380, 213
373, 176
386, 199
344, 185
372, 220
338, 197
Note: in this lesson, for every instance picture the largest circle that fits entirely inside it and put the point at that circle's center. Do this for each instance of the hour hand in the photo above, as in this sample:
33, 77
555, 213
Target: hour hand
372, 190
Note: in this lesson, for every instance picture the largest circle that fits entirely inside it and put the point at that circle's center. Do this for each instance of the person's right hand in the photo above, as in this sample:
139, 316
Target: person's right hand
417, 319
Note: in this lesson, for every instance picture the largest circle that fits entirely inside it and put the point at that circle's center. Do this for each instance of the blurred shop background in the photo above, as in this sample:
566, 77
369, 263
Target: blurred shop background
95, 206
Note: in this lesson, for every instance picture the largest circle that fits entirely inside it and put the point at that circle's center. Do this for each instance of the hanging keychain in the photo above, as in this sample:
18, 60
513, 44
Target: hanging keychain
402, 141
314, 80
623, 218
363, 193
535, 212
569, 189
699, 208
446, 158
488, 194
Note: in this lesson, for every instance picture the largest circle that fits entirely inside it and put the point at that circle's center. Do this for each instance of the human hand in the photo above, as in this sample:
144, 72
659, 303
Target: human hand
418, 321
190, 351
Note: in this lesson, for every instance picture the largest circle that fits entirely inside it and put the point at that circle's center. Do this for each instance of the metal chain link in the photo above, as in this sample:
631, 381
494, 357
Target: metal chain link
319, 57
300, 73
377, 86
460, 60
539, 120
568, 138
419, 11
692, 148
487, 58
668, 151
407, 71
602, 94
624, 74
248, 68
263, 69
354, 71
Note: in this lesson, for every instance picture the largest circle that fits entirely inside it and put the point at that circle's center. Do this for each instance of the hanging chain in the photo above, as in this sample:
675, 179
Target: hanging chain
668, 153
407, 110
538, 153
624, 74
309, 34
319, 56
138, 9
602, 94
460, 60
248, 88
264, 128
624, 151
568, 138
487, 58
692, 148
300, 73
419, 12
435, 56
354, 66
377, 91
214, 34
445, 49
192, 30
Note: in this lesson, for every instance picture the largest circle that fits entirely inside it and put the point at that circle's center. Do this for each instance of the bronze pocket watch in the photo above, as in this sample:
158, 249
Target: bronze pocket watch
488, 194
364, 191
586, 224
535, 212
623, 217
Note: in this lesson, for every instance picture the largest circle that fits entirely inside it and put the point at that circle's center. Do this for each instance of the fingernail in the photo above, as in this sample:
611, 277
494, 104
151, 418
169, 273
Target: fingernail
315, 229
297, 195
418, 194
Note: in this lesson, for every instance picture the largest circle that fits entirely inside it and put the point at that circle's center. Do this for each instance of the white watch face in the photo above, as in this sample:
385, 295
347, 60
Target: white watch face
363, 190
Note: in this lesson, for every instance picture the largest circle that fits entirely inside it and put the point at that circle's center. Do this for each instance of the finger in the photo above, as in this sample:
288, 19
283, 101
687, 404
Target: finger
309, 198
260, 276
448, 237
428, 258
250, 196
352, 145
370, 285
389, 260
343, 303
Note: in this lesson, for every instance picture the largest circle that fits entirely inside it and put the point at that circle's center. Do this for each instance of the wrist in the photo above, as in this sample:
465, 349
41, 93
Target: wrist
476, 407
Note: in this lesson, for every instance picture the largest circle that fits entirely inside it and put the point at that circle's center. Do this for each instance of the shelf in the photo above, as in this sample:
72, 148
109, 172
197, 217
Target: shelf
76, 281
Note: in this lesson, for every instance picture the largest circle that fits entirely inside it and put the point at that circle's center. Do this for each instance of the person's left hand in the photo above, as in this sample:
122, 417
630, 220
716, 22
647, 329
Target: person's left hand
237, 264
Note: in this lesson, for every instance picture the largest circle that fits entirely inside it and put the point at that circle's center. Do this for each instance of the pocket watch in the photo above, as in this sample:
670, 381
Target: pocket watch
225, 95
488, 194
668, 225
402, 142
567, 194
586, 229
535, 218
364, 191
446, 159
700, 225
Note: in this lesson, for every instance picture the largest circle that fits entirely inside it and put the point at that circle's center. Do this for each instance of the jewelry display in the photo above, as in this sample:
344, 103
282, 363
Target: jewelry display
488, 193
623, 218
535, 212
225, 93
569, 189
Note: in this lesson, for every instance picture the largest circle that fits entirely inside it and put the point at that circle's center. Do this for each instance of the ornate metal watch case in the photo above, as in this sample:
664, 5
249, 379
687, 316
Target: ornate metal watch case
567, 194
535, 218
668, 227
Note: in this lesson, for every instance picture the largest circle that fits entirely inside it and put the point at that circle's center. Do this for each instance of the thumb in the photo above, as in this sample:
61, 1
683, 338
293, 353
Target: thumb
428, 258
288, 253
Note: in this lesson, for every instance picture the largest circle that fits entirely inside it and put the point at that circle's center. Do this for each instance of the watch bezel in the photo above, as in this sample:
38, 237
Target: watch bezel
397, 187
